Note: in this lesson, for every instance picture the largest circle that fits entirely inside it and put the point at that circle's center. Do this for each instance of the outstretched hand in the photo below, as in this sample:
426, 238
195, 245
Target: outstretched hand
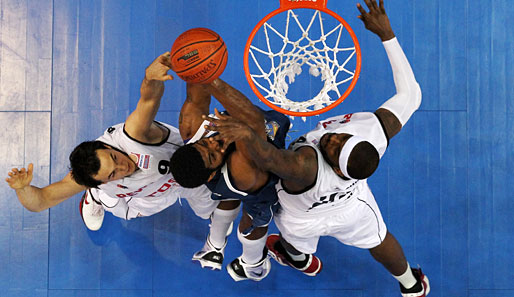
230, 129
376, 19
18, 179
159, 68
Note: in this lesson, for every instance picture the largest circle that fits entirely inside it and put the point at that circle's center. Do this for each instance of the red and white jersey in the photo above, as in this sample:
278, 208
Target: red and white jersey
331, 192
153, 178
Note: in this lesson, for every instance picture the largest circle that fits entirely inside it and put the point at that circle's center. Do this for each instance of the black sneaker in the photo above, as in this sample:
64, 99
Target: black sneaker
210, 256
239, 270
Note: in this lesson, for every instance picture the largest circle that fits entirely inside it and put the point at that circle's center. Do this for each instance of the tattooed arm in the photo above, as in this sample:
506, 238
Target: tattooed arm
238, 106
296, 168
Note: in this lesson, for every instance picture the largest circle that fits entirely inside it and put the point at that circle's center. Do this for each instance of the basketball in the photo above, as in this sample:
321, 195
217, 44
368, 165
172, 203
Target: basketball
198, 55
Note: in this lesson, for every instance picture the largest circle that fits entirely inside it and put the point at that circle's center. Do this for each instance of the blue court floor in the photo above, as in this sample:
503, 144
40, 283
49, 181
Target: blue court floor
71, 68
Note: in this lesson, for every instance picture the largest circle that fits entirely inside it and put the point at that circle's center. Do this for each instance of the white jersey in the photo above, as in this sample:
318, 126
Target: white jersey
153, 179
331, 192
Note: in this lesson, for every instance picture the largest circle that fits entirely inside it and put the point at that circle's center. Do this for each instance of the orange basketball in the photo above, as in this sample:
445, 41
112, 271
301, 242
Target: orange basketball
198, 55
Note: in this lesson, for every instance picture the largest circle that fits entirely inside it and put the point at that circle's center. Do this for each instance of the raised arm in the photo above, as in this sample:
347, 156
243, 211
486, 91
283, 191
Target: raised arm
198, 100
238, 106
396, 111
298, 169
139, 123
38, 199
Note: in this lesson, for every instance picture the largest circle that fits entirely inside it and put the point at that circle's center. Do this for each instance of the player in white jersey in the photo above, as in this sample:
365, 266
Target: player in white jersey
127, 168
151, 188
323, 189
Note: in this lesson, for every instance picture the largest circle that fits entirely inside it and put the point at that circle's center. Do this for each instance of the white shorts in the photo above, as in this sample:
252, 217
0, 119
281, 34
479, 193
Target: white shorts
358, 224
198, 198
200, 201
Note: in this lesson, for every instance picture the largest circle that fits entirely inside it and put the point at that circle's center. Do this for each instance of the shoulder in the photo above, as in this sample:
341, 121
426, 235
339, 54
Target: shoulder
304, 169
389, 122
246, 174
307, 156
113, 130
155, 134
306, 152
306, 175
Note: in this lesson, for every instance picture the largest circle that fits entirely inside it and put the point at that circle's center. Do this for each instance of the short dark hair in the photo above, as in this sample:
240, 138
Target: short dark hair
188, 167
84, 163
363, 160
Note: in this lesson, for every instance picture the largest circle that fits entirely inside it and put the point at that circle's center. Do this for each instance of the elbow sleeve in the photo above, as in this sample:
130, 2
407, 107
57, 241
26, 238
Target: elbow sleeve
408, 93
403, 105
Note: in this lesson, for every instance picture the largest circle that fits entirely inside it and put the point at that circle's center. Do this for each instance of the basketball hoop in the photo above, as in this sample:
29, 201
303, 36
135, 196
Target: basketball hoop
335, 65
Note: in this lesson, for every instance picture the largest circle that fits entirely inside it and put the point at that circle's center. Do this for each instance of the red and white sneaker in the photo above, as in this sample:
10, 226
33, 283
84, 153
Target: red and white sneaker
422, 281
277, 252
91, 211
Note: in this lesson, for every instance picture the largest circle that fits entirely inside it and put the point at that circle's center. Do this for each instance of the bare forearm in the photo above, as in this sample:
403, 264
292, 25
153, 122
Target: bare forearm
237, 104
299, 166
38, 199
151, 89
283, 163
32, 198
198, 99
156, 73
190, 119
138, 123
196, 104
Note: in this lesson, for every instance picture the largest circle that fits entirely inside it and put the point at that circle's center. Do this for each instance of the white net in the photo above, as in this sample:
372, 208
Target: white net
325, 52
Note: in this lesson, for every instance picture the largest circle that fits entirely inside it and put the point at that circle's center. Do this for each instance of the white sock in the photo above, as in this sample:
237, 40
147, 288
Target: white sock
252, 249
220, 222
407, 279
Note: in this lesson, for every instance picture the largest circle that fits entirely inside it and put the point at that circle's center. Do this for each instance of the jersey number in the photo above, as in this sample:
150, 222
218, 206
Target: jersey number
331, 198
346, 119
164, 167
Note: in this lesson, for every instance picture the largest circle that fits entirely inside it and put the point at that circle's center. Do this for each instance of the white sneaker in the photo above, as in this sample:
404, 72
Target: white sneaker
210, 256
239, 270
92, 212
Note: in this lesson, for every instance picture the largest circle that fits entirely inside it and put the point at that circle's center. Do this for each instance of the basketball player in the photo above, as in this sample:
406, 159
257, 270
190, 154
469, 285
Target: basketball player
125, 171
231, 175
323, 189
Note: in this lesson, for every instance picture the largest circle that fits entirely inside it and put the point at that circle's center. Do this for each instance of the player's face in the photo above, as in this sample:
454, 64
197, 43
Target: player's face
330, 145
113, 165
210, 150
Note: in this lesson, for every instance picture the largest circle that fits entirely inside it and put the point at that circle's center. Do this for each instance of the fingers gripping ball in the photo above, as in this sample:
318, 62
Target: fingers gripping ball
198, 55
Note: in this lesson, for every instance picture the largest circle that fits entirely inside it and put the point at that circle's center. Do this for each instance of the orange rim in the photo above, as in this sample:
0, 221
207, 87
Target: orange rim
285, 6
